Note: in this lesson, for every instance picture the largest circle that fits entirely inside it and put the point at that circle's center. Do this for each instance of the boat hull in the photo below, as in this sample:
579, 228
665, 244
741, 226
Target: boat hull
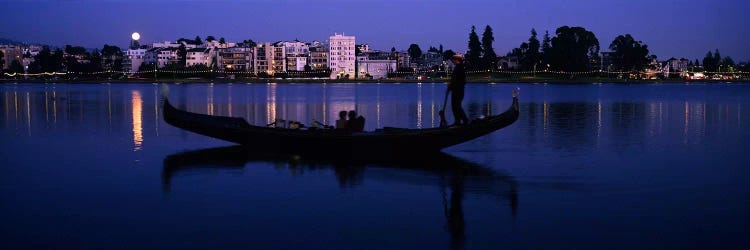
383, 141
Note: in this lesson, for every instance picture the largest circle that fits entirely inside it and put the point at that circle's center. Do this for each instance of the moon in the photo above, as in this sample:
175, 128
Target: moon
135, 36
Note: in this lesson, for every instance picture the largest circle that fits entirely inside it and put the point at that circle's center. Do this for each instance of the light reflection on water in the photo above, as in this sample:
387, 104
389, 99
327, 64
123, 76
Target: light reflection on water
137, 104
586, 162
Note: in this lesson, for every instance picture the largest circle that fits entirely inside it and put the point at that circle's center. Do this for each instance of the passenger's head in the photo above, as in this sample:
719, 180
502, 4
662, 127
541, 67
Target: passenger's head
457, 59
342, 114
352, 114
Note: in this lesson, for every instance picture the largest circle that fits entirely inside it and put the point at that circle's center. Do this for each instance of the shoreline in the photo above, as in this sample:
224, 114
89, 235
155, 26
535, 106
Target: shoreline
339, 81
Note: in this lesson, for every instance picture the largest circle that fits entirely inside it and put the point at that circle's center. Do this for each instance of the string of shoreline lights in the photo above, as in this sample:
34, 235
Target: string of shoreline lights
319, 72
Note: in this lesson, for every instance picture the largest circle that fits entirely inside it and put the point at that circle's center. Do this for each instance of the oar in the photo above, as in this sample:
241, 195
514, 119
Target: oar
443, 122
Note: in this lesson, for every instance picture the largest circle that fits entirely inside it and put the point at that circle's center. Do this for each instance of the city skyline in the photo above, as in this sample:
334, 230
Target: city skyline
686, 29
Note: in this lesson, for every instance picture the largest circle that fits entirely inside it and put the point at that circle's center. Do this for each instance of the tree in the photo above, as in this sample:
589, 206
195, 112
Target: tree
71, 63
75, 50
489, 57
41, 61
546, 48
197, 40
222, 41
2, 62
393, 49
726, 63
96, 62
531, 55
112, 57
709, 63
15, 66
448, 54
717, 57
56, 61
474, 54
573, 48
414, 52
185, 41
210, 39
109, 51
249, 43
629, 54
182, 55
47, 61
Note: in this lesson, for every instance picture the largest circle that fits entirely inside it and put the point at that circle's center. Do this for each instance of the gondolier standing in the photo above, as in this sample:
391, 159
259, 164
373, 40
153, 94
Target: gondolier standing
456, 87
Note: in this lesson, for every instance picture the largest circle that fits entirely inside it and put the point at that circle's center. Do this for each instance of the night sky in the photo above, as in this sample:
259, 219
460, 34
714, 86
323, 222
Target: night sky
671, 28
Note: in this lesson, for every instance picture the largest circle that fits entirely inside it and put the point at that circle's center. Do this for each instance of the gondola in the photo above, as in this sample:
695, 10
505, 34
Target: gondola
385, 141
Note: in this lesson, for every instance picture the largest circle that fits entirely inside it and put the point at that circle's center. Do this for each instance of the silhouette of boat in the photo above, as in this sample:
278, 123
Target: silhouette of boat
385, 141
456, 177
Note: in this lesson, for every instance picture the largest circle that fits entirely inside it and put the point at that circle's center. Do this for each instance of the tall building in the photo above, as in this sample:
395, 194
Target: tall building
319, 57
269, 58
262, 55
341, 58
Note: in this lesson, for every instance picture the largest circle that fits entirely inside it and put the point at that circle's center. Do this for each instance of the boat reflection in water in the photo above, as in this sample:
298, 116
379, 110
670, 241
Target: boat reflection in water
458, 176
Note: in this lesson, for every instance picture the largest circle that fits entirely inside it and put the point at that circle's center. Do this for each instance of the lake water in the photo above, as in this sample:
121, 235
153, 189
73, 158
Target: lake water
586, 166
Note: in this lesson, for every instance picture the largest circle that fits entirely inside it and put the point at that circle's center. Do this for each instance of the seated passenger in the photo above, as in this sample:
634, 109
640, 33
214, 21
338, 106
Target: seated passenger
351, 124
360, 124
342, 123
355, 123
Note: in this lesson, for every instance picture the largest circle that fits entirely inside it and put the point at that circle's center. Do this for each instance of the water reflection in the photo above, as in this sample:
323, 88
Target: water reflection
137, 104
455, 177
581, 125
28, 113
37, 109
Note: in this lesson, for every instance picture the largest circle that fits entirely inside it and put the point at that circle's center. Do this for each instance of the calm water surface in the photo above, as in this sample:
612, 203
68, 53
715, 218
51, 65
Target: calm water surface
590, 166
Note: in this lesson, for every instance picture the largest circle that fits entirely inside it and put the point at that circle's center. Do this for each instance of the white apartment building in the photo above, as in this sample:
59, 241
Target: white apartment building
363, 48
375, 69
162, 56
296, 62
296, 55
133, 59
199, 56
341, 58
217, 44
168, 44
295, 48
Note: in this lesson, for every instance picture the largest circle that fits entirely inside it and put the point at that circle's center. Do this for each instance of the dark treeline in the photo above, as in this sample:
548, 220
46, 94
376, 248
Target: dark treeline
575, 49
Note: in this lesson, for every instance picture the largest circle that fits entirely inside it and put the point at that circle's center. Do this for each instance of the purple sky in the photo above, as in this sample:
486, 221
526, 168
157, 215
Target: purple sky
671, 28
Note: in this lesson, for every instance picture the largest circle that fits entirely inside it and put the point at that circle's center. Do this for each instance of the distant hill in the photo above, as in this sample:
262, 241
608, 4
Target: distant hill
14, 42
9, 42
